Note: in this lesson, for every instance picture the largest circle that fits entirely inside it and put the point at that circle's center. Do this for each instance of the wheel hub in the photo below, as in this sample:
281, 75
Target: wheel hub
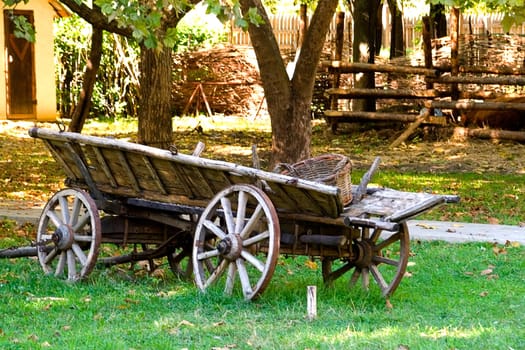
63, 237
230, 247
364, 252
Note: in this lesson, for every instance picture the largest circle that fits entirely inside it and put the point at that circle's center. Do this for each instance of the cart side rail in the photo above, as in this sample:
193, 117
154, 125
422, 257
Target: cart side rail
118, 168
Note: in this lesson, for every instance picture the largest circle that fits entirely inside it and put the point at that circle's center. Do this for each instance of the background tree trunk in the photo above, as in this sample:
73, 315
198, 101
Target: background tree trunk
397, 44
289, 101
81, 111
439, 20
155, 112
363, 48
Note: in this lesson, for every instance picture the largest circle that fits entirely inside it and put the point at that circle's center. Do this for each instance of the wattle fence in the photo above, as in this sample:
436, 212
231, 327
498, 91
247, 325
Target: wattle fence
286, 28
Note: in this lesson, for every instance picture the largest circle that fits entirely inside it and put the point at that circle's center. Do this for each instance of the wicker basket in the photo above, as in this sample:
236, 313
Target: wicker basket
329, 169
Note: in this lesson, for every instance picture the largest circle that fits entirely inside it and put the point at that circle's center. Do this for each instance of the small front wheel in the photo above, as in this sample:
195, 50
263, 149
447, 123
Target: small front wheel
237, 235
69, 234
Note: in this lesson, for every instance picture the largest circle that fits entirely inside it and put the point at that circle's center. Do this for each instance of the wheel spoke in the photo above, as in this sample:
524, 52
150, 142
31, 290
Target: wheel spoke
80, 223
228, 214
80, 254
64, 207
375, 236
54, 218
241, 211
208, 254
355, 277
254, 220
216, 230
230, 279
83, 238
392, 239
379, 278
365, 278
216, 273
245, 279
77, 205
71, 265
253, 260
256, 239
382, 260
52, 255
61, 264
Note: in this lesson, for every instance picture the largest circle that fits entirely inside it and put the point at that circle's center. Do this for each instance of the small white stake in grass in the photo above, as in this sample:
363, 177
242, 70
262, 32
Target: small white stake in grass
311, 302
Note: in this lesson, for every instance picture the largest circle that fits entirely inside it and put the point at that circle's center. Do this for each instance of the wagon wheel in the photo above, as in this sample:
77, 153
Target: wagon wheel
223, 251
69, 234
381, 254
180, 262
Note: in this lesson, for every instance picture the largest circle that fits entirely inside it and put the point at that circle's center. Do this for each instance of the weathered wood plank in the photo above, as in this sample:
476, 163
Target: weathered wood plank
154, 175
128, 171
104, 165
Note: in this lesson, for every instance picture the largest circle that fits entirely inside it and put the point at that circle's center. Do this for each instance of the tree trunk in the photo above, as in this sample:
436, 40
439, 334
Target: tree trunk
289, 102
397, 44
439, 20
81, 111
364, 47
155, 111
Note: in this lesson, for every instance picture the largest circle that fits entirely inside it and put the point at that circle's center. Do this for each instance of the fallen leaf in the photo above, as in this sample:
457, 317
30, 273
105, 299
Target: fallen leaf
220, 323
486, 272
46, 344
493, 221
483, 294
186, 323
403, 347
389, 305
311, 264
499, 250
425, 226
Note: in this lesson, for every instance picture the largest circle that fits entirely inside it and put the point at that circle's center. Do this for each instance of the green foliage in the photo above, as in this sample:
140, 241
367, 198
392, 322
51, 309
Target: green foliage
116, 89
513, 10
23, 28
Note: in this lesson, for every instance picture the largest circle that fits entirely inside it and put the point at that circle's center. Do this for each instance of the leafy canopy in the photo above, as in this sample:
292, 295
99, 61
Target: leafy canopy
513, 10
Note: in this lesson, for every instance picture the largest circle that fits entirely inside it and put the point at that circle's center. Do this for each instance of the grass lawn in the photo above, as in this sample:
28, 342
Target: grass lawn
454, 296
467, 296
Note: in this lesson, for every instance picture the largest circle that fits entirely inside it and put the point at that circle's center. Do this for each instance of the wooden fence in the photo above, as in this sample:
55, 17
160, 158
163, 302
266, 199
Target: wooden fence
286, 28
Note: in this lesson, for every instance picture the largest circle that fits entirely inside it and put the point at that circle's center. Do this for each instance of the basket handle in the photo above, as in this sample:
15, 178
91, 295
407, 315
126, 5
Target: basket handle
341, 164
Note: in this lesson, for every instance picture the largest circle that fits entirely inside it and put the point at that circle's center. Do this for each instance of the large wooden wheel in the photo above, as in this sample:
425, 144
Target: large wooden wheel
237, 235
379, 255
181, 262
69, 234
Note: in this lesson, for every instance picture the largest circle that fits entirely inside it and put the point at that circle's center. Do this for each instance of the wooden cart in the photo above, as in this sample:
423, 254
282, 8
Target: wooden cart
214, 220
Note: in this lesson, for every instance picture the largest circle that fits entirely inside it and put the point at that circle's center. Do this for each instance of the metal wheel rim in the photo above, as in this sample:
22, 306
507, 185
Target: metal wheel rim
75, 212
246, 231
373, 268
